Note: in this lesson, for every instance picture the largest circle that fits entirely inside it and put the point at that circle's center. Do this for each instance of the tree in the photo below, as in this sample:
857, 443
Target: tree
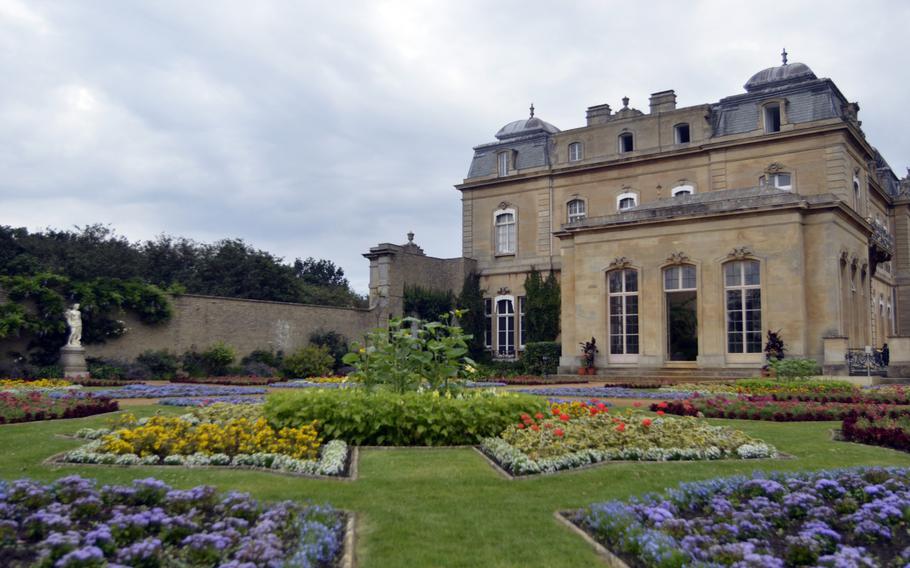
320, 272
470, 301
542, 306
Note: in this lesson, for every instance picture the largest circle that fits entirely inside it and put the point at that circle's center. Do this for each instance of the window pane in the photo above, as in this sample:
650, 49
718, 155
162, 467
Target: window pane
632, 344
688, 276
671, 278
733, 273
615, 279
616, 344
632, 305
753, 343
631, 280
632, 324
752, 273
753, 299
735, 343
783, 180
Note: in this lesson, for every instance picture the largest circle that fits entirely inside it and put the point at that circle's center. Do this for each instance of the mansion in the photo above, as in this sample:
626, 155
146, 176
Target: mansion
680, 236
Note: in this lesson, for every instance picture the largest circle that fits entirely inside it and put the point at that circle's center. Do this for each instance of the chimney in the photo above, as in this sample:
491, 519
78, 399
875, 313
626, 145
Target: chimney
663, 101
598, 114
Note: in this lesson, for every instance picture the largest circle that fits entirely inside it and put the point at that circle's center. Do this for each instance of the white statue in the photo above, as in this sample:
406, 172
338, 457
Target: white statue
74, 321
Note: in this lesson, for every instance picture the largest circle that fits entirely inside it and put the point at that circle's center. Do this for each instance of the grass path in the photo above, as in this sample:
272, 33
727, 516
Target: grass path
447, 507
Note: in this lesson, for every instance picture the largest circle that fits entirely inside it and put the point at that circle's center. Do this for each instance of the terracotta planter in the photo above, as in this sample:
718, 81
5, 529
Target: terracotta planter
582, 371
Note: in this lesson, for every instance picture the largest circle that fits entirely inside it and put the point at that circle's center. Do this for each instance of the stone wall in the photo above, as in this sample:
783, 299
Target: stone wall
200, 321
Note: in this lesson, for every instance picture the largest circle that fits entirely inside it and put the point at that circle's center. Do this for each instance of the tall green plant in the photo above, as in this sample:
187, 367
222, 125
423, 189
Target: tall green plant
542, 306
427, 304
472, 320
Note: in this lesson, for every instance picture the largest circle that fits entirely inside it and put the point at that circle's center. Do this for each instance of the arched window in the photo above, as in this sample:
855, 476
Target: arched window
575, 152
856, 192
742, 283
622, 290
576, 209
681, 133
626, 142
505, 326
685, 189
772, 117
505, 223
626, 200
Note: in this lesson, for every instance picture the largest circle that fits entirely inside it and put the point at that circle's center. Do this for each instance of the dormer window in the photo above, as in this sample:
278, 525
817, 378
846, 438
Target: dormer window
626, 200
772, 117
503, 163
576, 209
681, 133
626, 142
683, 190
782, 181
575, 152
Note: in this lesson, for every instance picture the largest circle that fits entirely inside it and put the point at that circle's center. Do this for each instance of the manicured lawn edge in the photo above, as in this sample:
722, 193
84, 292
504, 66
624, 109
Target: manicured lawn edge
349, 550
350, 467
781, 456
603, 553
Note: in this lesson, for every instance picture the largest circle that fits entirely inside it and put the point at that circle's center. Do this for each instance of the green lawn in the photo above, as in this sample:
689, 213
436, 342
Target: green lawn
448, 507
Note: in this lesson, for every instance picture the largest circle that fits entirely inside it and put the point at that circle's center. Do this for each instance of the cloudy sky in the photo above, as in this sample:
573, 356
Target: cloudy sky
322, 128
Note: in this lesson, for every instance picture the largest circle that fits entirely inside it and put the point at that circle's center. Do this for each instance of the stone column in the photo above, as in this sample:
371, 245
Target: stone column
72, 359
899, 360
835, 363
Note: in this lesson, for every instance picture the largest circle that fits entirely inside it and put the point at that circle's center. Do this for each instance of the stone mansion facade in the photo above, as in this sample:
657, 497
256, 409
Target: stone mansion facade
682, 235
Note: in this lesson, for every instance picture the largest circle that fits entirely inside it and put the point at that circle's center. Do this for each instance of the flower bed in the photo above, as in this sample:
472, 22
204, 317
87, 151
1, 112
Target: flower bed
208, 401
91, 382
165, 391
888, 428
71, 523
846, 518
302, 384
536, 380
38, 384
385, 418
766, 387
32, 406
235, 442
576, 434
239, 380
606, 392
760, 408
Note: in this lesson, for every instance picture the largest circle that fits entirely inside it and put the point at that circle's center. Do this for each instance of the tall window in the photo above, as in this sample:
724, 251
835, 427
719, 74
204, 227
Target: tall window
522, 331
575, 152
623, 305
626, 142
505, 327
505, 231
488, 323
576, 210
742, 281
503, 163
681, 297
681, 133
772, 117
626, 201
856, 192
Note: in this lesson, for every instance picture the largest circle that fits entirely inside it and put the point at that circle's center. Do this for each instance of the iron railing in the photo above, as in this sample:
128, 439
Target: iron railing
862, 362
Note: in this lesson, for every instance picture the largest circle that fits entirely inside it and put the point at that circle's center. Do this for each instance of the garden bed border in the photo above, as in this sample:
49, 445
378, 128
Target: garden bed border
603, 553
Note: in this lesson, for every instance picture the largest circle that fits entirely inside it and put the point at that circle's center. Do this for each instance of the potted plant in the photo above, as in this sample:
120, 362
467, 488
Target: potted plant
588, 350
774, 351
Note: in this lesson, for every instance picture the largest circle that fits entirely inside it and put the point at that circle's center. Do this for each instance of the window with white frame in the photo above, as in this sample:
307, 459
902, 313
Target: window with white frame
779, 180
505, 326
502, 160
772, 117
575, 152
622, 293
626, 200
680, 277
488, 323
505, 224
742, 283
856, 192
681, 133
522, 331
576, 209
626, 142
684, 189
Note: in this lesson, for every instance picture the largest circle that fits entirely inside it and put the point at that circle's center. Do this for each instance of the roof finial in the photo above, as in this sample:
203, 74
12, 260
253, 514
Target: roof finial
783, 55
410, 237
532, 110
625, 102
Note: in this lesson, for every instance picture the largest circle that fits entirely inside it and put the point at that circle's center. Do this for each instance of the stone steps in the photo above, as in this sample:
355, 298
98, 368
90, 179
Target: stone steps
669, 374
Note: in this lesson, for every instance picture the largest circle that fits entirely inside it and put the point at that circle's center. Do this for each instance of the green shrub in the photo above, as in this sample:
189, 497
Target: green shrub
271, 358
213, 362
535, 353
161, 364
502, 368
795, 368
309, 361
336, 343
386, 418
427, 304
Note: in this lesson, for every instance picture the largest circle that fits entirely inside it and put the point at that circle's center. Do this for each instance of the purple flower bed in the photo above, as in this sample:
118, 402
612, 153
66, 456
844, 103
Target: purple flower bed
301, 384
173, 390
608, 392
71, 523
211, 400
483, 384
841, 518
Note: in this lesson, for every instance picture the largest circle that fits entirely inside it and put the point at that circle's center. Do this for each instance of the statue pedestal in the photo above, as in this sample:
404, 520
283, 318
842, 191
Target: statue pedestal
72, 359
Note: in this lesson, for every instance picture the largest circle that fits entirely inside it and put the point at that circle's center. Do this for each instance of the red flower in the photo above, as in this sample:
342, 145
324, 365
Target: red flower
621, 427
536, 428
521, 426
660, 412
547, 425
594, 411
525, 417
636, 404
558, 432
601, 405
661, 405
539, 416
556, 411
646, 422
564, 417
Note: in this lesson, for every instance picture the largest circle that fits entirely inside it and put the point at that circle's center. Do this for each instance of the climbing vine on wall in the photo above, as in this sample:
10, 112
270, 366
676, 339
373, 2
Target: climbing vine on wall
542, 306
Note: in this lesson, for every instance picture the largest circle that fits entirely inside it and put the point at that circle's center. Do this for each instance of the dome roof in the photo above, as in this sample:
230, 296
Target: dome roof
788, 72
524, 127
